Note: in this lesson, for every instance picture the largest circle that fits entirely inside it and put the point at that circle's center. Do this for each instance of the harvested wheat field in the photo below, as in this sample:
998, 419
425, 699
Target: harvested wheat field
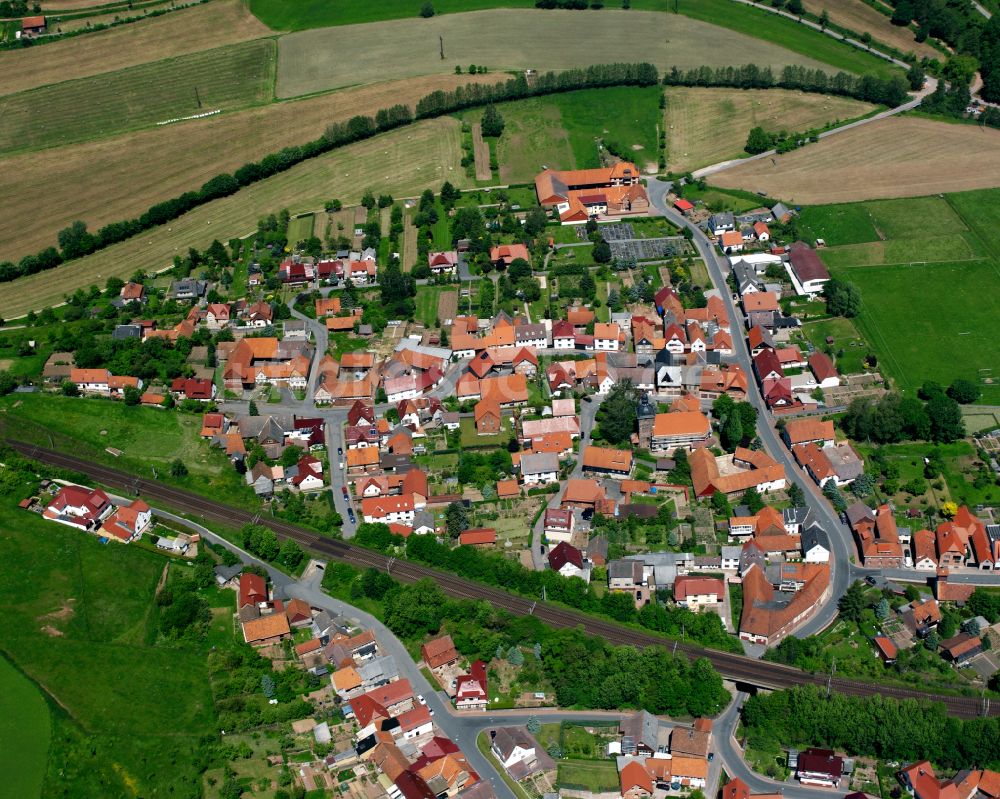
858, 16
893, 157
402, 163
190, 30
97, 181
313, 60
706, 126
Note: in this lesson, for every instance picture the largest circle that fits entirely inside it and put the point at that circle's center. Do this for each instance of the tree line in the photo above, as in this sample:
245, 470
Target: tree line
889, 91
875, 726
75, 241
584, 670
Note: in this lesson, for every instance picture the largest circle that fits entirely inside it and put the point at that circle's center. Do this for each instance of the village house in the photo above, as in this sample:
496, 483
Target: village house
615, 463
694, 593
471, 691
733, 474
806, 269
680, 429
78, 506
568, 561
128, 522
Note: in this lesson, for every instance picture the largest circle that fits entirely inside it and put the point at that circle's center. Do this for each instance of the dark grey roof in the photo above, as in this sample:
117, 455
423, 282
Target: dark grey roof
795, 515
625, 570
227, 573
815, 536
858, 511
122, 332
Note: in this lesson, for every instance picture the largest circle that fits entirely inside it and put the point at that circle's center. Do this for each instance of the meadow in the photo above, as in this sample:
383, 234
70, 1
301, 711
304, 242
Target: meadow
301, 228
907, 255
561, 131
402, 163
312, 61
233, 76
25, 730
190, 30
96, 181
705, 126
127, 715
901, 318
148, 438
902, 156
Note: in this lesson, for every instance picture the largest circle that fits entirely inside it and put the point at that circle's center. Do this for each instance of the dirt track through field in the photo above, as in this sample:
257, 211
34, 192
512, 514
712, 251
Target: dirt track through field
189, 30
481, 150
313, 60
895, 157
98, 182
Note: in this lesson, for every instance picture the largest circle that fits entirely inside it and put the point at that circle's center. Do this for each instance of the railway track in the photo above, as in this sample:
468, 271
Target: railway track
732, 666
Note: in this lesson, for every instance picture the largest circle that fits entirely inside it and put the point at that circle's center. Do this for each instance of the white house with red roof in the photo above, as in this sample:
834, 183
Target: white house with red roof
79, 506
471, 691
443, 263
128, 522
309, 474
389, 509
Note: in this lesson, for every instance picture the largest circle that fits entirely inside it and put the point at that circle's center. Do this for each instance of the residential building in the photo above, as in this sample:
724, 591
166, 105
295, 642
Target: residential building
78, 506
768, 616
819, 767
809, 431
680, 429
568, 561
539, 469
558, 525
640, 733
696, 592
471, 690
128, 522
513, 746
878, 539
630, 576
612, 462
733, 474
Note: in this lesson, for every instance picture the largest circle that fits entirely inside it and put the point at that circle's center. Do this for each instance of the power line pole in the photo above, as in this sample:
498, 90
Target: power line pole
829, 681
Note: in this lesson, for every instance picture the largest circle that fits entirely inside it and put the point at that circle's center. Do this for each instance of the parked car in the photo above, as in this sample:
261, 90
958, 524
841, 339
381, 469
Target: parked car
421, 700
343, 490
350, 515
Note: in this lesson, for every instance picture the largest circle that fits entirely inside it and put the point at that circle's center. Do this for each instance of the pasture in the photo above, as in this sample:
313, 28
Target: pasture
906, 255
203, 27
561, 131
79, 617
893, 157
901, 318
25, 729
96, 180
858, 16
312, 61
705, 126
403, 163
228, 77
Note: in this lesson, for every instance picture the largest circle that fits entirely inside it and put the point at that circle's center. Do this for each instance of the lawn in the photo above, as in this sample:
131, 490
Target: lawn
300, 228
25, 729
147, 437
80, 621
901, 318
950, 247
624, 116
402, 163
311, 60
233, 76
720, 199
588, 775
980, 210
472, 439
705, 126
846, 340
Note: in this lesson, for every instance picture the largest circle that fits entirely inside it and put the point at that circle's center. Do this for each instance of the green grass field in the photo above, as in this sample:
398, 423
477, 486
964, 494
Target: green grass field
300, 228
228, 77
25, 729
597, 776
304, 14
427, 303
561, 131
472, 439
846, 339
147, 437
902, 319
128, 714
909, 256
